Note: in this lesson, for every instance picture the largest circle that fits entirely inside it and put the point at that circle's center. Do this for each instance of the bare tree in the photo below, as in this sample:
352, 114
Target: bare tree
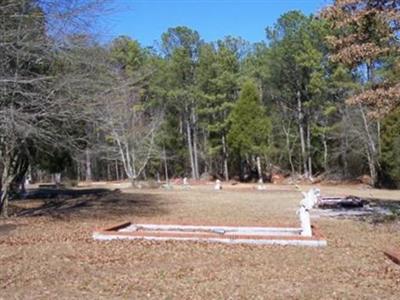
42, 91
130, 125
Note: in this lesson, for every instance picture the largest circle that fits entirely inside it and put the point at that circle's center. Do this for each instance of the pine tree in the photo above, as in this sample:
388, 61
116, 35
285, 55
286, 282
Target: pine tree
218, 74
250, 126
391, 146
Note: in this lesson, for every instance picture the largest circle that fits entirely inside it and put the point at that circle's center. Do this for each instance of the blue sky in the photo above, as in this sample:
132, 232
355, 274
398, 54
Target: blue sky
213, 19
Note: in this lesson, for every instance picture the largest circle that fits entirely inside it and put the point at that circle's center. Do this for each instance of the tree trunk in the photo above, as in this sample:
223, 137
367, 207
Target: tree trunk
309, 150
5, 188
344, 145
88, 166
4, 200
207, 158
288, 148
190, 148
378, 125
195, 144
116, 170
325, 144
259, 170
109, 177
14, 170
225, 158
195, 155
301, 132
372, 168
78, 171
372, 154
241, 168
166, 167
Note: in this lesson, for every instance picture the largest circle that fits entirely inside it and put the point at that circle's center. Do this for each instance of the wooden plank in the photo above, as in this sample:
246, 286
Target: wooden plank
393, 255
116, 227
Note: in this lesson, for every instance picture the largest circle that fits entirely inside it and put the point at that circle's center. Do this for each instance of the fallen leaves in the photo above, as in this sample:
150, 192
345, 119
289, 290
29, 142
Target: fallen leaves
48, 257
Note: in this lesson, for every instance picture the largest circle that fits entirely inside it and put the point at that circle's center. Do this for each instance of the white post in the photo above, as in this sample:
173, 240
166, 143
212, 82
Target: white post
261, 185
57, 178
305, 222
186, 184
217, 185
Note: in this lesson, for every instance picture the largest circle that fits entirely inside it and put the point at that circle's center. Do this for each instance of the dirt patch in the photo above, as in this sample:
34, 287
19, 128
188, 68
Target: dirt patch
6, 229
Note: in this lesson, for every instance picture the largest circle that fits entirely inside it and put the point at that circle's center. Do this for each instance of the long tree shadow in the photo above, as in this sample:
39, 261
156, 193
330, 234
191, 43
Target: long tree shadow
90, 203
376, 211
386, 210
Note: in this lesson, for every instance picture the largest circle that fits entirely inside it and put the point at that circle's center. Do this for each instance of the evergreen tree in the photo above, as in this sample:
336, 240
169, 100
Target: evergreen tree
391, 147
250, 126
218, 77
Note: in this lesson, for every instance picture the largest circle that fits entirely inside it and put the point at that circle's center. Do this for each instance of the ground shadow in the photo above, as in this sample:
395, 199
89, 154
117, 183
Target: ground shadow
375, 211
88, 203
383, 203
6, 229
387, 210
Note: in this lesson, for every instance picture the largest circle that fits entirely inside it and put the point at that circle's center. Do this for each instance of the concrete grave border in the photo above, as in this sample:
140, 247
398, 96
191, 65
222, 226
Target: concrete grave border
217, 234
306, 235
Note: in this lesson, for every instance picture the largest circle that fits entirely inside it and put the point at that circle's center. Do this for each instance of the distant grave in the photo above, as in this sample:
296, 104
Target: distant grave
185, 184
218, 185
261, 186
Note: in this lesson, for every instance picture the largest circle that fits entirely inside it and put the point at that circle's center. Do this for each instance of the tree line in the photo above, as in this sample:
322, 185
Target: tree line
318, 97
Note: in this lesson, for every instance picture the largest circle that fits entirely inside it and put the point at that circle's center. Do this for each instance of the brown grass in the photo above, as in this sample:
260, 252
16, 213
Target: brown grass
49, 252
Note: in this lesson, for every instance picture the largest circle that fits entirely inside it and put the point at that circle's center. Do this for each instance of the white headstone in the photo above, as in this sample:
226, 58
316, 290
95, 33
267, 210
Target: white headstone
186, 184
217, 185
57, 178
261, 185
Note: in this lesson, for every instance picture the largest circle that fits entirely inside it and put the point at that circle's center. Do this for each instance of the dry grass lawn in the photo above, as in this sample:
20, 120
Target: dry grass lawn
47, 251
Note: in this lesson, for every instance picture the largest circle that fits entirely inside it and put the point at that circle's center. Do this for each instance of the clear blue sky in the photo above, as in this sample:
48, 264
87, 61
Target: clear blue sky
146, 20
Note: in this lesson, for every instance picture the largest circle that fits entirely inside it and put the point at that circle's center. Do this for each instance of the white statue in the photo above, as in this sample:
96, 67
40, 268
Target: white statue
309, 201
310, 198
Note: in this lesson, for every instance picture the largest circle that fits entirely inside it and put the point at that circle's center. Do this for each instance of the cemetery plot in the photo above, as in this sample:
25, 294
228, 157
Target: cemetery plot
217, 234
303, 236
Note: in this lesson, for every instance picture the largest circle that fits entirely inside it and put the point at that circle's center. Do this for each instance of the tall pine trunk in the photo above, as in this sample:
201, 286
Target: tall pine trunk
288, 148
195, 144
301, 133
325, 144
88, 165
259, 169
309, 150
165, 166
225, 158
190, 148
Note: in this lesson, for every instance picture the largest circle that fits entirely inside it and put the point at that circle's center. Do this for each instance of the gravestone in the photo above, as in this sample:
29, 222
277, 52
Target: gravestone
261, 186
218, 185
186, 184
